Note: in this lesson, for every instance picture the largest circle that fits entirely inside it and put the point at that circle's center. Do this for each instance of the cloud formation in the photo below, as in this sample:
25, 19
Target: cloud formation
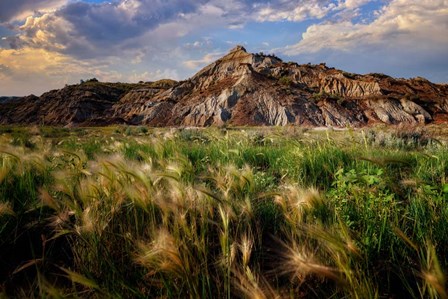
34, 69
20, 9
207, 59
30, 70
86, 30
398, 24
293, 11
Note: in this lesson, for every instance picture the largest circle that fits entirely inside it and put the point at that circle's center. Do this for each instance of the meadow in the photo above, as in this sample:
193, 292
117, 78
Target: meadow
136, 212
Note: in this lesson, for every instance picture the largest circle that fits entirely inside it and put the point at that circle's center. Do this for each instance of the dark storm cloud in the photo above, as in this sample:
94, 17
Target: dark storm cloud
113, 22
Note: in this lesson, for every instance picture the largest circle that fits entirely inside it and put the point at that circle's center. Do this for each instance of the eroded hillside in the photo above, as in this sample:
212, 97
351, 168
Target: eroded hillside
241, 89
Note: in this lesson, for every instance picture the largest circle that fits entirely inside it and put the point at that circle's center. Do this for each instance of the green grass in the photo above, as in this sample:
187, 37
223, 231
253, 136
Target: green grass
137, 212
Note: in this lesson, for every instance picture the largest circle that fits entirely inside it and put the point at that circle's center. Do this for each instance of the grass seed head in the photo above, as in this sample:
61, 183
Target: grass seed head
6, 209
245, 246
161, 255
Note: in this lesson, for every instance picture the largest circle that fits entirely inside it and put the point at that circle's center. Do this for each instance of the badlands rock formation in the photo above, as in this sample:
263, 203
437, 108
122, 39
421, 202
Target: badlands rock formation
241, 89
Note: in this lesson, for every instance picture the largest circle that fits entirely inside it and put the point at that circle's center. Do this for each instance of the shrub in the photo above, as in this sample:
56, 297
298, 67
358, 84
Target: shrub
285, 80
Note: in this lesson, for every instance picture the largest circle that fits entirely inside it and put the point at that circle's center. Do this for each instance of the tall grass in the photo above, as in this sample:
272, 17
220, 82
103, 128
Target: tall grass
263, 213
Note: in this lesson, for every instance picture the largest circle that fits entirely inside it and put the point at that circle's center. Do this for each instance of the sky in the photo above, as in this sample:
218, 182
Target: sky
45, 44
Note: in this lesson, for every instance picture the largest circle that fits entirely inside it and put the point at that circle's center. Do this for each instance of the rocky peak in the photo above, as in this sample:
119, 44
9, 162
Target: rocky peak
233, 65
236, 63
238, 48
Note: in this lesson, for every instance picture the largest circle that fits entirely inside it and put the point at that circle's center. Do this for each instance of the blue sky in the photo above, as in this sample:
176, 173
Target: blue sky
45, 44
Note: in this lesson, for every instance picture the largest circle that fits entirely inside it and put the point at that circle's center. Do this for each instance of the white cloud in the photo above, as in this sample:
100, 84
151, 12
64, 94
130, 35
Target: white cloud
206, 59
402, 23
352, 4
139, 56
294, 11
204, 43
47, 31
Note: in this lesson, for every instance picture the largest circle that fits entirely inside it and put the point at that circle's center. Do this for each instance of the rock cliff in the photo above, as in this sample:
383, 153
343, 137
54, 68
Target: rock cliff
241, 89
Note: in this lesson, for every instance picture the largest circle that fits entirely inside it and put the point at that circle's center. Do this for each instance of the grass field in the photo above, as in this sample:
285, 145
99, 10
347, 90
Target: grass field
135, 212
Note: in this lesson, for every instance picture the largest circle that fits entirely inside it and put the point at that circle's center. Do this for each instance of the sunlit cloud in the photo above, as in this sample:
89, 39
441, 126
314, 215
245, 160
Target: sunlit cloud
295, 12
400, 23
40, 70
11, 10
207, 59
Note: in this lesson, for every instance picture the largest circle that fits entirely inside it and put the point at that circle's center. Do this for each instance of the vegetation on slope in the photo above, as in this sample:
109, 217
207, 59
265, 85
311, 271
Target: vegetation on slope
163, 84
220, 213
